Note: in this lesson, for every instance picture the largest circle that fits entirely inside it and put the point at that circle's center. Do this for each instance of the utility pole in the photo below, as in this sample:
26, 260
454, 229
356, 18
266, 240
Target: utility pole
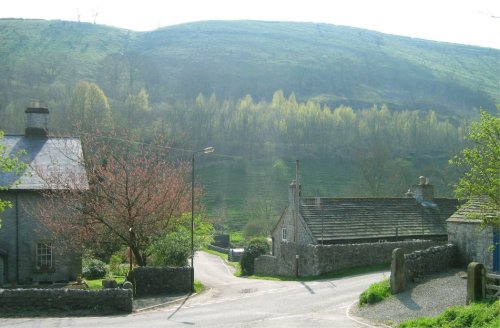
296, 218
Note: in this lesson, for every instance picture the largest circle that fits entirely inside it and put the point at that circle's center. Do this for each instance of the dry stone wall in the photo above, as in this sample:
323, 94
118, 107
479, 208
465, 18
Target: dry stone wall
430, 260
162, 280
315, 260
66, 299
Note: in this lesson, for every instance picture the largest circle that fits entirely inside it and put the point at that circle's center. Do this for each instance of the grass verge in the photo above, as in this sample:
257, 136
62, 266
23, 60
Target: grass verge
97, 283
337, 274
375, 293
198, 286
482, 314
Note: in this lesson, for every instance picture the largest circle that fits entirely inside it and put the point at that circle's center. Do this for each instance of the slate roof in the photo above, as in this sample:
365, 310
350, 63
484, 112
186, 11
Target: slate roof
360, 219
473, 209
59, 158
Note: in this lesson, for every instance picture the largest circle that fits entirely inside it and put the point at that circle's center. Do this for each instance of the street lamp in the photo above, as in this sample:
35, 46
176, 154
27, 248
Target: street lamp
207, 150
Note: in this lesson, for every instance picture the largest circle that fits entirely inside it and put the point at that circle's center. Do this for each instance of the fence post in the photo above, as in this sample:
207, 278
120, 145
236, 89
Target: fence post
398, 279
475, 282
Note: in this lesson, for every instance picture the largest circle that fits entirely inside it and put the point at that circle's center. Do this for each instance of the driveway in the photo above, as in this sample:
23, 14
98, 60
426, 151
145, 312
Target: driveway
238, 302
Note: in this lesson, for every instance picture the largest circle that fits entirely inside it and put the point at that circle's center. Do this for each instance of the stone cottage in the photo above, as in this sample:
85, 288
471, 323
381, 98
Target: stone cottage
334, 233
27, 253
475, 242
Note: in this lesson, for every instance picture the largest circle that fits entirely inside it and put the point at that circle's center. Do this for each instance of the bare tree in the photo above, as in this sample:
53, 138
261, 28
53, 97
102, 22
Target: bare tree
134, 195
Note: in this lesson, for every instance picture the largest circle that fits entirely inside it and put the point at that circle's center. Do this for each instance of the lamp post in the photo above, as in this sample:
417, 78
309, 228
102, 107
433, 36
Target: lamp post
206, 150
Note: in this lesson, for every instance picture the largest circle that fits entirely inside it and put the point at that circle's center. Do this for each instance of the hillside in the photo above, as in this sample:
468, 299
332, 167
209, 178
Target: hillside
332, 64
271, 94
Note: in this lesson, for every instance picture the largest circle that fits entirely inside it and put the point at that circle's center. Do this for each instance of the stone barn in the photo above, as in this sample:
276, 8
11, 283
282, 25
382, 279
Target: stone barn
326, 229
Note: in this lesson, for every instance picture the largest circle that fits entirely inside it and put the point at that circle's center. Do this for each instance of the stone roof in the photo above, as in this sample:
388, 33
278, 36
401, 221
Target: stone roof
349, 219
473, 210
53, 163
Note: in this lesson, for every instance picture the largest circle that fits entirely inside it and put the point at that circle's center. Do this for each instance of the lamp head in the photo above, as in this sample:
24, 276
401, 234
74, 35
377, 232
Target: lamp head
208, 150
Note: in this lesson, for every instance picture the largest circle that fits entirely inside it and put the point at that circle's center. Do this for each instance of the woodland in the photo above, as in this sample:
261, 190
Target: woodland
365, 113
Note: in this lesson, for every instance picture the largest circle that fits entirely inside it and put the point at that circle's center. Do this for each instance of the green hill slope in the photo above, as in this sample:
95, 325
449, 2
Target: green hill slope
333, 64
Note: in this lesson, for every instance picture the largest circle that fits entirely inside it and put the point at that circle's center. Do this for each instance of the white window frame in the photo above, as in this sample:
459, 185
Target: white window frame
44, 256
284, 234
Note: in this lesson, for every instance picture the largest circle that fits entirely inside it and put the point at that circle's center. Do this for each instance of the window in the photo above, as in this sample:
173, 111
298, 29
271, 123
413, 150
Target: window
283, 234
44, 256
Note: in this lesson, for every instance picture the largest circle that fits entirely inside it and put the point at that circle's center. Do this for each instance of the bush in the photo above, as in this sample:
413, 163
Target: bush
256, 248
375, 293
116, 265
94, 269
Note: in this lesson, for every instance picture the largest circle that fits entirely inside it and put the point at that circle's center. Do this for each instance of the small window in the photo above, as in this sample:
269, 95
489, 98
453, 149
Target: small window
44, 256
283, 234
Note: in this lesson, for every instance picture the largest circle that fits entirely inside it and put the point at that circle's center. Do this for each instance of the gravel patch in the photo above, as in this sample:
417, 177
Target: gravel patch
428, 298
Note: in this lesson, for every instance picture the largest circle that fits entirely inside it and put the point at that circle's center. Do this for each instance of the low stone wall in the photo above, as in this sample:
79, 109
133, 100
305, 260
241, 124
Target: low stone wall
66, 299
162, 280
430, 260
218, 249
315, 260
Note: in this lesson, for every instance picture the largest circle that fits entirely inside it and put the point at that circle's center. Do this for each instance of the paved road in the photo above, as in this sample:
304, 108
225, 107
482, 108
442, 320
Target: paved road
237, 302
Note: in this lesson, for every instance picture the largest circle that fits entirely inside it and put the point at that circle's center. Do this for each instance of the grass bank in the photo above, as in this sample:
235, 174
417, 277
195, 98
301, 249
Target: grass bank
375, 293
481, 315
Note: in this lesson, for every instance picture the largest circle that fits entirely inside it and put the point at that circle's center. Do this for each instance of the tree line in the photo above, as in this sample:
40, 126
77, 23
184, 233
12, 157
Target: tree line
284, 126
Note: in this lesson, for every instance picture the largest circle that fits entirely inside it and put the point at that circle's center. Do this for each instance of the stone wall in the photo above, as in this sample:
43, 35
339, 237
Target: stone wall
162, 280
430, 260
472, 240
218, 249
66, 299
315, 260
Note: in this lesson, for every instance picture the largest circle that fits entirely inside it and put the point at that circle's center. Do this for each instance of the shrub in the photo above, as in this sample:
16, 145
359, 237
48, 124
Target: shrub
116, 265
94, 269
256, 248
375, 293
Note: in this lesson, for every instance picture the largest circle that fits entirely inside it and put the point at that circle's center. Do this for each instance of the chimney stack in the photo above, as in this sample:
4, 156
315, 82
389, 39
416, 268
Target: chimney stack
424, 191
37, 119
292, 189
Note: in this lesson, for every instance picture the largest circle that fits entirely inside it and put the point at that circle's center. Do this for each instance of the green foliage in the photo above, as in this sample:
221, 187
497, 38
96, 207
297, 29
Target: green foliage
8, 163
198, 286
174, 248
236, 238
480, 315
93, 268
375, 293
256, 247
117, 267
481, 161
90, 107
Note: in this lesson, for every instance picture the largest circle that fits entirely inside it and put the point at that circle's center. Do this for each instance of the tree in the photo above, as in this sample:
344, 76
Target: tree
481, 161
8, 163
134, 196
90, 107
173, 248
